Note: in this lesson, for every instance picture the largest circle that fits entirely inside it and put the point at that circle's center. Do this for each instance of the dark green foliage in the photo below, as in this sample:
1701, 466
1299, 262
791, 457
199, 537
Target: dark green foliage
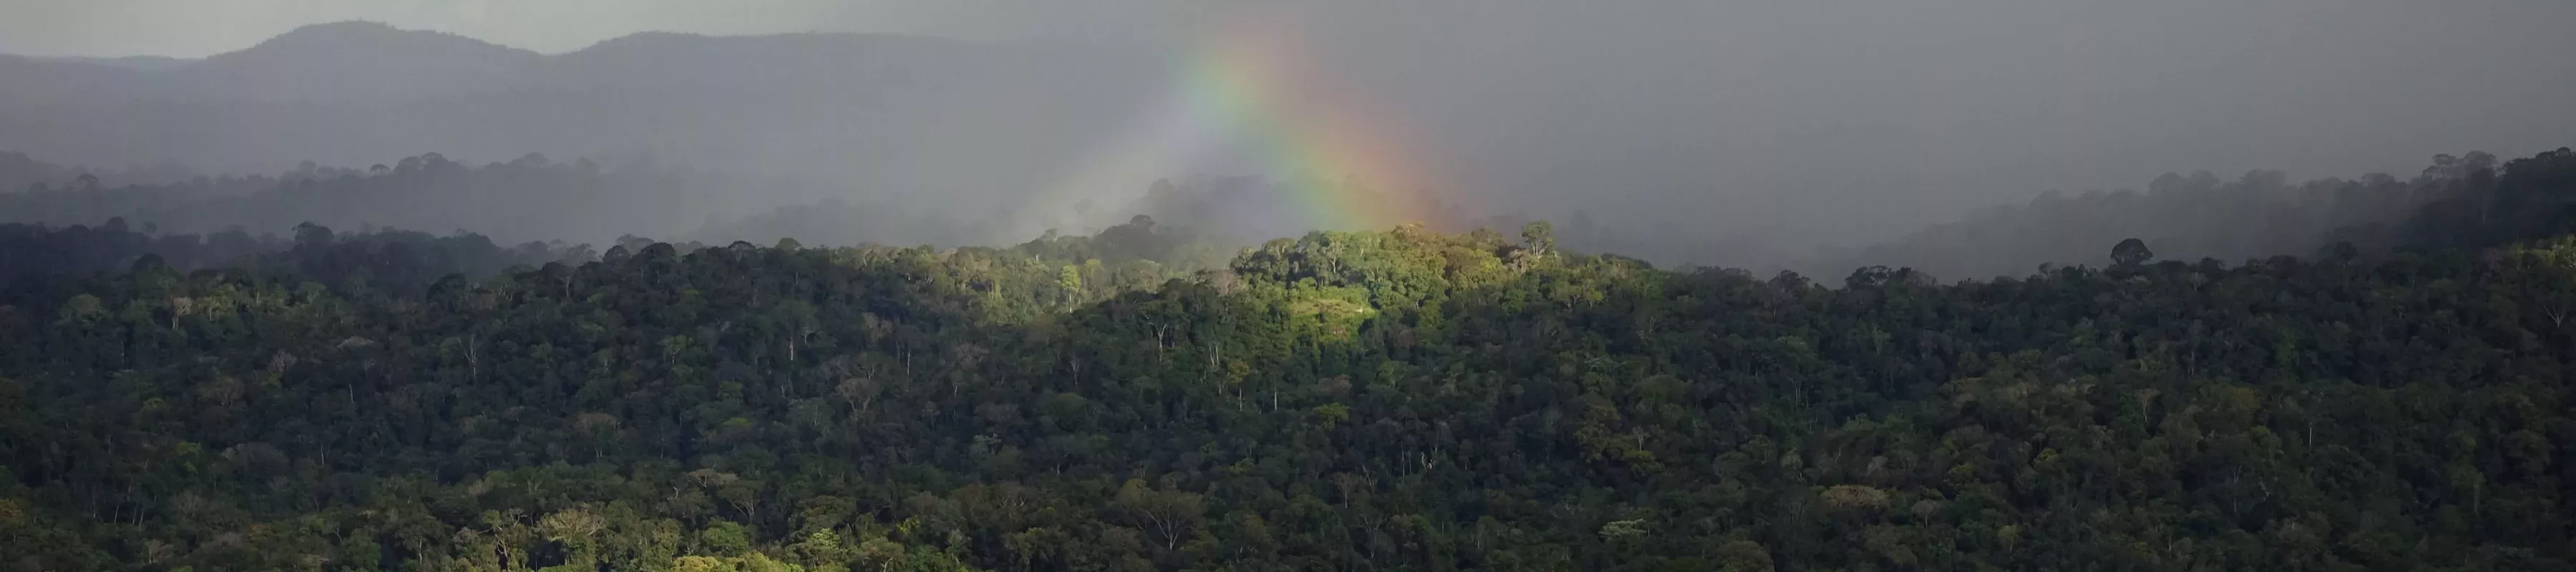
1374, 400
397, 262
2526, 199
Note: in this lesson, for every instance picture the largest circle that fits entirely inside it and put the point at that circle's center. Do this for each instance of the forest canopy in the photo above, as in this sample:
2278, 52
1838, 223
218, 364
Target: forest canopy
1392, 399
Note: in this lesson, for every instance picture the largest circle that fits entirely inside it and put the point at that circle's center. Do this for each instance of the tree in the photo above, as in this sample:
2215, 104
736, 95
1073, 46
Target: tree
1539, 237
1743, 556
2131, 252
1166, 515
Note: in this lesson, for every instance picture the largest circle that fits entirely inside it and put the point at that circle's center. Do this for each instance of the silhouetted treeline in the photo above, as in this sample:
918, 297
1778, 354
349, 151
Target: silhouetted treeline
2458, 201
835, 222
530, 198
386, 261
2486, 205
1250, 210
19, 172
2467, 200
404, 263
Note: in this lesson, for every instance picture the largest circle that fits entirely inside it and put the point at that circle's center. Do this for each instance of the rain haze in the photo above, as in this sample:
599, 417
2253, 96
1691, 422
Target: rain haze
1748, 134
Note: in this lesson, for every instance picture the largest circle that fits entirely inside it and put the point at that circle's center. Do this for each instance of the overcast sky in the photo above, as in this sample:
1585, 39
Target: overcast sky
196, 28
1747, 112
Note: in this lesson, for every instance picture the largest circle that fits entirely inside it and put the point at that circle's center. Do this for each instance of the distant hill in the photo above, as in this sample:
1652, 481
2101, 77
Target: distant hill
878, 114
356, 61
339, 62
27, 81
137, 63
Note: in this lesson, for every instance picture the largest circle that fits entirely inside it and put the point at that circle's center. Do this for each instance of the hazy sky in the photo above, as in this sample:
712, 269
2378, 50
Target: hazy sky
1743, 114
196, 28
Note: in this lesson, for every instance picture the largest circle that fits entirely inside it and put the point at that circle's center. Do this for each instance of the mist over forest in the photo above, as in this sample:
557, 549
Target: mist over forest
829, 286
1723, 136
2188, 217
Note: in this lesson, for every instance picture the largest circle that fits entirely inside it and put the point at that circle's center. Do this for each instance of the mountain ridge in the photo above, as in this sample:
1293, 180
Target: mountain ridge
360, 60
974, 120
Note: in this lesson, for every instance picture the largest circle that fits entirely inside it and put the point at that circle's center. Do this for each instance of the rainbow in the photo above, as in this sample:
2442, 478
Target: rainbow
1252, 99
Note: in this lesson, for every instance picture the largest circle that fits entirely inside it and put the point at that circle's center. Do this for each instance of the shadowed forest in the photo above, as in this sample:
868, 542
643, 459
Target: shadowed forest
1221, 286
1399, 399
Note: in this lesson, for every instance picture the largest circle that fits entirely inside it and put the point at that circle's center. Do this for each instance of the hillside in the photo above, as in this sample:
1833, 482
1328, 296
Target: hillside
880, 116
1393, 399
354, 61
